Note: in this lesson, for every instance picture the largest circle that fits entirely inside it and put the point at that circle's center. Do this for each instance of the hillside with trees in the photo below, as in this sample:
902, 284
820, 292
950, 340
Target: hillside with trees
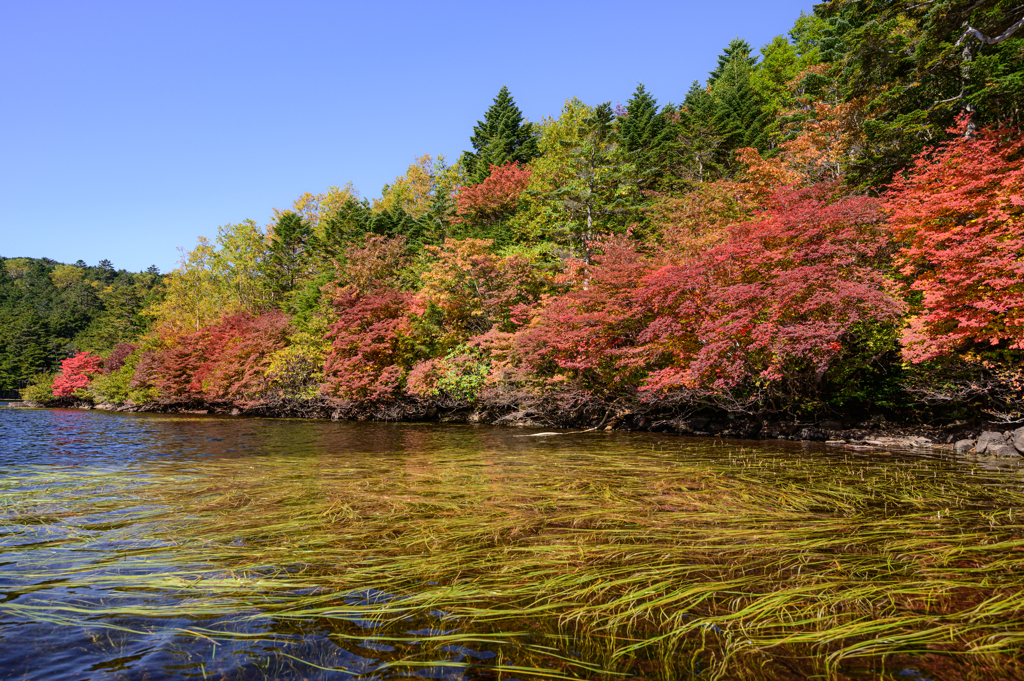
832, 226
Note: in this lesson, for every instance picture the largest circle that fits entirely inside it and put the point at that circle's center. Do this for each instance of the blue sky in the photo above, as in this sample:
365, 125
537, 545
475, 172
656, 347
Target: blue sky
128, 129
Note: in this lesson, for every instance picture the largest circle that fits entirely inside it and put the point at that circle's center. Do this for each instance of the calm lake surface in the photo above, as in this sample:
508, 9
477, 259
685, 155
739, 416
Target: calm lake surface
145, 546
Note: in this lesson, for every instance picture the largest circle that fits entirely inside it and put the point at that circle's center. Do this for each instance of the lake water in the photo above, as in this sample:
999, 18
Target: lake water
146, 546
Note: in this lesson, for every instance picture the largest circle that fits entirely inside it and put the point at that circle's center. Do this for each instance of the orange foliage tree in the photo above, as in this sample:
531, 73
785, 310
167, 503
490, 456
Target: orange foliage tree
959, 215
775, 299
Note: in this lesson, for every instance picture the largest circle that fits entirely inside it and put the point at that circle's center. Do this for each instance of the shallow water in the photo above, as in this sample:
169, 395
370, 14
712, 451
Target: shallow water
145, 546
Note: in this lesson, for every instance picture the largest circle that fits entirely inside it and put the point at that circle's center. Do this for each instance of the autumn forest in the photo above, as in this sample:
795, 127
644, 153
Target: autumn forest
831, 226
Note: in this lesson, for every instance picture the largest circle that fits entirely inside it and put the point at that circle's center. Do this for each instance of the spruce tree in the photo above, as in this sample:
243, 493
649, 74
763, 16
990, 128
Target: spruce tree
740, 113
501, 137
396, 221
702, 147
649, 137
736, 49
289, 249
340, 228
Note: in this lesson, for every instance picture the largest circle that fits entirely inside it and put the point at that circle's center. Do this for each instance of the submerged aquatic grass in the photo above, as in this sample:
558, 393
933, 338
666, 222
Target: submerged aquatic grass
578, 556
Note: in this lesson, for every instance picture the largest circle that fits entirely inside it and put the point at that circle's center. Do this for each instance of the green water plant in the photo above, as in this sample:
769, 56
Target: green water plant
593, 558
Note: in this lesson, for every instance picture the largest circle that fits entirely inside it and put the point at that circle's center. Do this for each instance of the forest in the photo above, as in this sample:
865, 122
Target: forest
830, 226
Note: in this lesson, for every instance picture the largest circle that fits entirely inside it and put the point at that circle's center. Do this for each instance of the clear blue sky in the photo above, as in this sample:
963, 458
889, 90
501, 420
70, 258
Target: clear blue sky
128, 129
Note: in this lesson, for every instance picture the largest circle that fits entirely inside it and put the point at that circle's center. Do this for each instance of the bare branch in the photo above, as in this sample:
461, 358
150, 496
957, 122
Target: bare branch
985, 40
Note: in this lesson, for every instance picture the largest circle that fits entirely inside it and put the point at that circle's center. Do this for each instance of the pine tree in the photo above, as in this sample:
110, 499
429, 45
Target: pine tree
702, 155
501, 137
740, 113
649, 137
599, 197
736, 49
289, 249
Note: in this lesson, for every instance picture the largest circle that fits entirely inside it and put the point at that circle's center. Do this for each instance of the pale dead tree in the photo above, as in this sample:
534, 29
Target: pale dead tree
970, 49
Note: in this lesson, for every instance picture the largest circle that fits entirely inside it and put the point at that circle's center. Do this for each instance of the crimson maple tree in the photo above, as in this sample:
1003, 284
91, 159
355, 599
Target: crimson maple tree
775, 299
494, 199
369, 357
75, 373
959, 215
588, 334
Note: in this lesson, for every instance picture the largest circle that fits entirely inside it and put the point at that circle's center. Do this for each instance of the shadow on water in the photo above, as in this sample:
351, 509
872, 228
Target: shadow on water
145, 546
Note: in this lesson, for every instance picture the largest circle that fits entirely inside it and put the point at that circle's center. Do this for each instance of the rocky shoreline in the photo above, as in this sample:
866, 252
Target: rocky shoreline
989, 440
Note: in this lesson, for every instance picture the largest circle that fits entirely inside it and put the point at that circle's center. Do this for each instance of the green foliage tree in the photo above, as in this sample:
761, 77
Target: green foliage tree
598, 194
289, 252
701, 153
918, 65
340, 228
740, 113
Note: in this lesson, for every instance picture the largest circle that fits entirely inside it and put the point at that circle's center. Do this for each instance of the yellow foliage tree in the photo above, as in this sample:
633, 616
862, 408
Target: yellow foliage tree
412, 192
315, 207
66, 276
214, 280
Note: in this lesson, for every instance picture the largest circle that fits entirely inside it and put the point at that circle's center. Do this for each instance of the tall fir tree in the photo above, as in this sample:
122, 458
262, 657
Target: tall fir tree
740, 112
736, 49
289, 250
702, 154
501, 137
649, 137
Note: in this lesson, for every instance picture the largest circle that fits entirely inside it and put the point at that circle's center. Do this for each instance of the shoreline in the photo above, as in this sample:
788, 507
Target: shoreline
958, 438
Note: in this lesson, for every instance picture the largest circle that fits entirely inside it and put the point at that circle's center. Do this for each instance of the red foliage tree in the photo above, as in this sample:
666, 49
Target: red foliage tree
472, 289
176, 369
959, 214
75, 373
775, 299
369, 354
374, 263
588, 335
117, 357
243, 346
494, 199
223, 361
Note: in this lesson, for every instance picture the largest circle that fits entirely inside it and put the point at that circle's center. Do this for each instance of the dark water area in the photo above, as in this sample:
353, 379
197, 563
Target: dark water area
150, 546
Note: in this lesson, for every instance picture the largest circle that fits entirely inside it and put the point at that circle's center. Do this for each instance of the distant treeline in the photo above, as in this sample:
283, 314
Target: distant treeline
831, 225
49, 311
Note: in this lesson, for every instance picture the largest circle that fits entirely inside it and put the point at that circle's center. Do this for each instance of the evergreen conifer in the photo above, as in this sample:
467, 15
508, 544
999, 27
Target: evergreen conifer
702, 143
649, 137
289, 249
740, 113
736, 49
501, 137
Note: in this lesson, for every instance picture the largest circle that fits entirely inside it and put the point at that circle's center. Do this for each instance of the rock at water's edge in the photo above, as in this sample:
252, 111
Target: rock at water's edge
1004, 452
1018, 439
988, 441
963, 446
